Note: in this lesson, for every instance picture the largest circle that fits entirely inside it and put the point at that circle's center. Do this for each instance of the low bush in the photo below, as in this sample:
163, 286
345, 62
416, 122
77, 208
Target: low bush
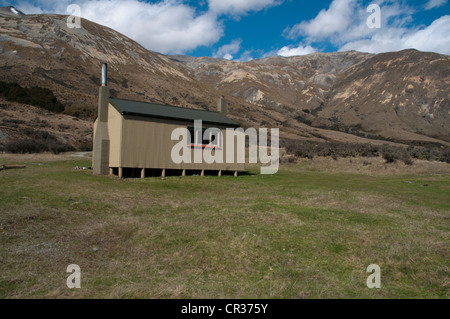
25, 146
310, 149
63, 127
391, 154
85, 147
446, 155
36, 96
57, 147
38, 142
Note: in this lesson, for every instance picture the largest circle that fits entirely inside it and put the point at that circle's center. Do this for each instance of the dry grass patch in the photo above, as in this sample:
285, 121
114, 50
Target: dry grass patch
306, 232
375, 166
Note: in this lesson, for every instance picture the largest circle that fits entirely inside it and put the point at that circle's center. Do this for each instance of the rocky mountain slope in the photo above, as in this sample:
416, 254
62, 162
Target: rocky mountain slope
345, 96
399, 95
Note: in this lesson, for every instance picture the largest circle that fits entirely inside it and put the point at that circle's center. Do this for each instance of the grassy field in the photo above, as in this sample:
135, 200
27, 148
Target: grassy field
309, 231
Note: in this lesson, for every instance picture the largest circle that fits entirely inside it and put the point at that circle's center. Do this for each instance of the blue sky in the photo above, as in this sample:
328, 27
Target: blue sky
248, 29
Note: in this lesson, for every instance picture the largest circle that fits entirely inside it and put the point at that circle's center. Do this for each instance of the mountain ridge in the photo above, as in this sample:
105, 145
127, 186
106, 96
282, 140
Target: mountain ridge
399, 96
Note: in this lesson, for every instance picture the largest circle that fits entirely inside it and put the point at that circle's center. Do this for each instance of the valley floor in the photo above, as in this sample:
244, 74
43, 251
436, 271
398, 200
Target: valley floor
309, 231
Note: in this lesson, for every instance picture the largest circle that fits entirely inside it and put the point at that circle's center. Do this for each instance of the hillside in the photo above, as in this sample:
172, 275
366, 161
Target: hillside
25, 122
400, 96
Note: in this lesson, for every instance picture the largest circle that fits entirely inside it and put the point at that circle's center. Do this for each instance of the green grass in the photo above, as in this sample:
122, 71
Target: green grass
298, 234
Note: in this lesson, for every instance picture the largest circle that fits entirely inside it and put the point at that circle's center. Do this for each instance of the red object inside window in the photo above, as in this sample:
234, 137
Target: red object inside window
204, 146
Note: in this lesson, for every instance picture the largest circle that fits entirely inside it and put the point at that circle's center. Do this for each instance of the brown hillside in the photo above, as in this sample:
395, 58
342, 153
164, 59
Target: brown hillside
401, 96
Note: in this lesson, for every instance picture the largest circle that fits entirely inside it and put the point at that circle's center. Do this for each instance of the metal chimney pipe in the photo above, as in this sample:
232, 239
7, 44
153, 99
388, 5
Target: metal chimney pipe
105, 74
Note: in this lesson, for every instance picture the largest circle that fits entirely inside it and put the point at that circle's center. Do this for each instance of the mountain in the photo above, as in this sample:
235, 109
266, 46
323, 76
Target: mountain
345, 96
400, 95
10, 12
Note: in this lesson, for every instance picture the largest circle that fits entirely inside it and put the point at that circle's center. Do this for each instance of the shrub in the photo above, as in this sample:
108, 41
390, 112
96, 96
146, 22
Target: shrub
430, 153
25, 146
446, 155
289, 160
40, 123
38, 142
57, 147
302, 149
63, 127
36, 96
13, 121
406, 158
85, 147
391, 154
32, 146
388, 155
301, 119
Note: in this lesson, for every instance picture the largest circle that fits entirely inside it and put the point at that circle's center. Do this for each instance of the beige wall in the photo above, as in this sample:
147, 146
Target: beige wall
140, 142
115, 135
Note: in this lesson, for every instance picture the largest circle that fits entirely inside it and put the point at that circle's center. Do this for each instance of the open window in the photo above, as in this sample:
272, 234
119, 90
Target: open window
192, 135
198, 139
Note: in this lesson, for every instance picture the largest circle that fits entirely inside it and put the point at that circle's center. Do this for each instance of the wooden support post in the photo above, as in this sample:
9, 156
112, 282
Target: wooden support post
163, 173
120, 172
220, 173
142, 172
183, 173
235, 173
110, 171
202, 173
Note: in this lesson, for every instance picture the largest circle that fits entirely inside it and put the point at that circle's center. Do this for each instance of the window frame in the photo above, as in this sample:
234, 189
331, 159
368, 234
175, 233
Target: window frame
196, 138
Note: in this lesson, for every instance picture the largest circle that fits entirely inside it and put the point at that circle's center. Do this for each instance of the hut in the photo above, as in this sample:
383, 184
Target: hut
133, 138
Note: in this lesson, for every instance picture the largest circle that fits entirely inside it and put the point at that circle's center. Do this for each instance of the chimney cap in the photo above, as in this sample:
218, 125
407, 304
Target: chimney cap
104, 74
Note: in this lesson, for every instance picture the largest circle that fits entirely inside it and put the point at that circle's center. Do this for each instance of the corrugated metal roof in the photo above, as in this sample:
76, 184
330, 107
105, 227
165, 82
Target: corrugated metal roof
128, 107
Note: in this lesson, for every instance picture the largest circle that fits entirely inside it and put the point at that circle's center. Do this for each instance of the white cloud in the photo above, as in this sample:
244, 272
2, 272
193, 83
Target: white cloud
328, 22
433, 38
167, 26
246, 56
344, 25
42, 6
435, 4
28, 8
345, 20
228, 56
174, 27
239, 7
292, 51
228, 50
